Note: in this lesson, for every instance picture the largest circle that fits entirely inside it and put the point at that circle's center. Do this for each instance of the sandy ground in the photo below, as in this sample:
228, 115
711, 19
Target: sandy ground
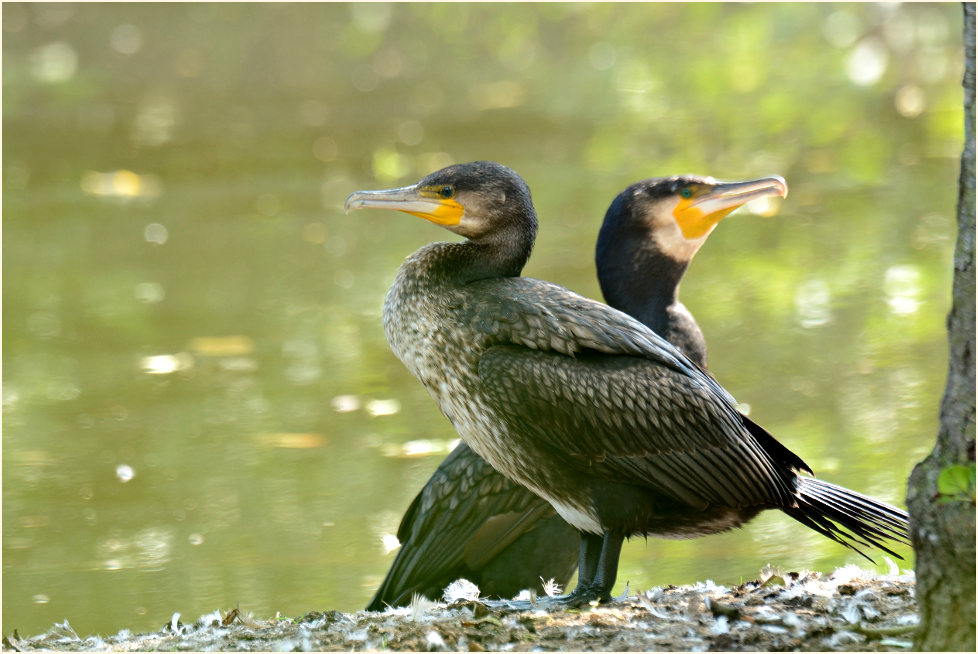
850, 610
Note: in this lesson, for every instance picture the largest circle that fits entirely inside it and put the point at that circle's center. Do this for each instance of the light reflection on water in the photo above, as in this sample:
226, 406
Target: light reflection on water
200, 409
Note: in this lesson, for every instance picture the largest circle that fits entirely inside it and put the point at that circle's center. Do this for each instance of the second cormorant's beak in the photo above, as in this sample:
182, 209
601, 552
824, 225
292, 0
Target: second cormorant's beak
705, 206
428, 203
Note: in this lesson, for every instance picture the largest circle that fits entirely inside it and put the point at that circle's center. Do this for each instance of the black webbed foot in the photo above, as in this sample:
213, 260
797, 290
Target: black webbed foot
583, 596
597, 568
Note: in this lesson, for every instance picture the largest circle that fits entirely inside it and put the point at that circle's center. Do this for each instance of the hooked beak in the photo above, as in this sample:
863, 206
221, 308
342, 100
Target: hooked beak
414, 200
699, 214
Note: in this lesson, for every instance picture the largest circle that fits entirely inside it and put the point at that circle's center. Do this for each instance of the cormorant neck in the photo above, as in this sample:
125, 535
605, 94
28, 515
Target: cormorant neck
638, 278
503, 253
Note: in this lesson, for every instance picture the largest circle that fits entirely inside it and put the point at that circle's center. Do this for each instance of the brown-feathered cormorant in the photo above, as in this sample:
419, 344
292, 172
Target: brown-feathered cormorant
579, 402
470, 521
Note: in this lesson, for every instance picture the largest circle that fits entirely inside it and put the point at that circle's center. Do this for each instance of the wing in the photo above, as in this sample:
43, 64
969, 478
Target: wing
543, 316
634, 420
619, 400
461, 520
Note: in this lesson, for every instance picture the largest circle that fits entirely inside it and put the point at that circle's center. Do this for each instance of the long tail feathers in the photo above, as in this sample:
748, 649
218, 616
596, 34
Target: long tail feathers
847, 517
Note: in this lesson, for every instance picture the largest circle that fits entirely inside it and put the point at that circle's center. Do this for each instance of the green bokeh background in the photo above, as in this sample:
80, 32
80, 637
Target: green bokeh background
176, 172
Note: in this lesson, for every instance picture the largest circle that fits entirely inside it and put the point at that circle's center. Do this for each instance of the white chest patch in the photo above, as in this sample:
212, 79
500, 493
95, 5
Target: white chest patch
577, 518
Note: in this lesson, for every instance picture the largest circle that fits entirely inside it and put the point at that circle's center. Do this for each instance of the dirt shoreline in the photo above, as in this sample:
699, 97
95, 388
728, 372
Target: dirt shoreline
849, 610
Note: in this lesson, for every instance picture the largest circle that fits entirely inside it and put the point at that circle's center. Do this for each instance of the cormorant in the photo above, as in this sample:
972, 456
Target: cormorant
470, 521
579, 402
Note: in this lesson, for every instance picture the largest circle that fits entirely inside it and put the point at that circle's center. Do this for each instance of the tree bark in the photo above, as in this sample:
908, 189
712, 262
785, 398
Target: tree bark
942, 525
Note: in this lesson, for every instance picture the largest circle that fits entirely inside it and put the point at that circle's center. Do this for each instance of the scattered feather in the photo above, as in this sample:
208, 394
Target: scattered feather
769, 571
435, 641
790, 619
893, 642
64, 630
654, 593
552, 588
721, 625
909, 619
840, 639
828, 613
851, 613
461, 589
420, 604
626, 592
212, 619
524, 596
774, 628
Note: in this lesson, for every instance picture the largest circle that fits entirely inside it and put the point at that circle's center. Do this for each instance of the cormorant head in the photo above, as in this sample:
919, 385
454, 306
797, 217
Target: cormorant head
482, 201
651, 232
676, 214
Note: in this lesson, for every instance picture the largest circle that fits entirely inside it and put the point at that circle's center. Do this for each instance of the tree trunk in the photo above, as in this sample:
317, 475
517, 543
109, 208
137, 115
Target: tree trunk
941, 488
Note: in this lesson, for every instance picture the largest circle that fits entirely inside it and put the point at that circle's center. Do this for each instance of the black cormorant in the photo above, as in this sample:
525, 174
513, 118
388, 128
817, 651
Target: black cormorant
579, 402
470, 521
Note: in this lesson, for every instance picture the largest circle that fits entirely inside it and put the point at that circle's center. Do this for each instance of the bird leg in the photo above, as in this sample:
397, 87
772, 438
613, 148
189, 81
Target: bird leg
604, 579
597, 569
587, 562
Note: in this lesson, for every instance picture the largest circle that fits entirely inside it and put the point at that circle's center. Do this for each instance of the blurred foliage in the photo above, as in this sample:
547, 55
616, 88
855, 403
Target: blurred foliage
956, 483
177, 171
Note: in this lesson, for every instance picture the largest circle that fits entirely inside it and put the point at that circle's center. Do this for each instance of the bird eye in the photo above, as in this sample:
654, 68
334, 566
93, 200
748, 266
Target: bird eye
686, 193
446, 192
